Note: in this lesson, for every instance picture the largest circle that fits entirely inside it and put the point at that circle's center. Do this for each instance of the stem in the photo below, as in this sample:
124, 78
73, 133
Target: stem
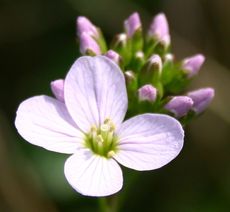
108, 204
103, 205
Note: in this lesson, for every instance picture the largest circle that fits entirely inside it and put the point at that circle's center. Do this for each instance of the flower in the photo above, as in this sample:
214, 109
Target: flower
159, 29
179, 105
202, 98
147, 93
113, 56
132, 24
88, 45
84, 25
57, 87
193, 64
89, 125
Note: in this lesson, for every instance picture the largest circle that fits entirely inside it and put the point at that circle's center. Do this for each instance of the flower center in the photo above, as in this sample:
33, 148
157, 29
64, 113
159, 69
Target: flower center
102, 141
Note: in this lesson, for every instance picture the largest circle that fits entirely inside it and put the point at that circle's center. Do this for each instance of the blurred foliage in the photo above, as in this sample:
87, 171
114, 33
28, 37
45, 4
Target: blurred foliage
37, 43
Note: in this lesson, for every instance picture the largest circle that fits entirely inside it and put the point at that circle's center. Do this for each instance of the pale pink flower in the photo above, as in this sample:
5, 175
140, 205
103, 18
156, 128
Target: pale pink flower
88, 45
179, 105
147, 93
113, 56
159, 29
84, 25
89, 125
202, 98
57, 87
193, 64
132, 24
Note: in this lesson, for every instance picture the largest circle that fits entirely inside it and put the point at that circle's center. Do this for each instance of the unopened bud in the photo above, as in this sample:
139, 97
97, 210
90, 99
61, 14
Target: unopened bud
179, 105
155, 63
201, 98
131, 80
130, 76
114, 56
84, 25
168, 57
159, 29
151, 71
88, 45
119, 41
57, 87
192, 65
132, 24
147, 93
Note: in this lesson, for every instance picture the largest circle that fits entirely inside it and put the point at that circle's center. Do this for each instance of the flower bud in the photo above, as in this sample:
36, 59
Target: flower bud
57, 87
138, 61
130, 77
114, 56
159, 29
132, 24
84, 25
131, 80
88, 45
201, 98
151, 71
155, 63
192, 65
147, 93
120, 41
168, 57
179, 105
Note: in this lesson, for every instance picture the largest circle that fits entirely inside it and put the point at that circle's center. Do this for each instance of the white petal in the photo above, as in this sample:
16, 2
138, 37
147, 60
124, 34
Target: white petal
45, 122
95, 90
93, 175
149, 141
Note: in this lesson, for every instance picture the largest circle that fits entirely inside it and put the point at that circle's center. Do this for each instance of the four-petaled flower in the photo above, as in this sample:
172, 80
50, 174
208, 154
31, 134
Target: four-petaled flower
89, 124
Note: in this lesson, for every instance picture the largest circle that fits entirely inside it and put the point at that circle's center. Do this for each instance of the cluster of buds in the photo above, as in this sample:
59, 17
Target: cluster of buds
153, 77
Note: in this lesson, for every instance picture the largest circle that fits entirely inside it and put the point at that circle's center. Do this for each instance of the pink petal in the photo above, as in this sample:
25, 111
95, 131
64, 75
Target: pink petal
149, 141
95, 90
45, 122
92, 175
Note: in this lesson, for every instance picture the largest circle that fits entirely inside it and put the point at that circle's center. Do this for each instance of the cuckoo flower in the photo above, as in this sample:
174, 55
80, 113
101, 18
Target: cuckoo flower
84, 25
193, 64
147, 93
89, 125
159, 29
132, 24
179, 105
57, 87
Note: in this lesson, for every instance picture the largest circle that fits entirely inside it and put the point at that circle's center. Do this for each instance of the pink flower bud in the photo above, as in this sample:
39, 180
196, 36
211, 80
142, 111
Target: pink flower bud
201, 98
85, 25
179, 105
57, 87
132, 24
193, 64
88, 45
114, 56
159, 29
147, 93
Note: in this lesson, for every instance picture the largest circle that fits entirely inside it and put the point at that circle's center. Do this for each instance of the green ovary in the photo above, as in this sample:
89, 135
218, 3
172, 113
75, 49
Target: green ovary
102, 141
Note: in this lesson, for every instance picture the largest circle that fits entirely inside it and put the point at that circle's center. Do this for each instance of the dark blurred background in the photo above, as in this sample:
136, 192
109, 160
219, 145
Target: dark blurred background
37, 45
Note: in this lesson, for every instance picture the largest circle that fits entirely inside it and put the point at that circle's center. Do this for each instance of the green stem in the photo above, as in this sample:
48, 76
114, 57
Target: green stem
108, 204
103, 204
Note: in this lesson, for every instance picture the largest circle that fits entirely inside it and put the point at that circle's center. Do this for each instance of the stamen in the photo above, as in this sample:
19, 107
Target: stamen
110, 154
102, 141
105, 127
99, 139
